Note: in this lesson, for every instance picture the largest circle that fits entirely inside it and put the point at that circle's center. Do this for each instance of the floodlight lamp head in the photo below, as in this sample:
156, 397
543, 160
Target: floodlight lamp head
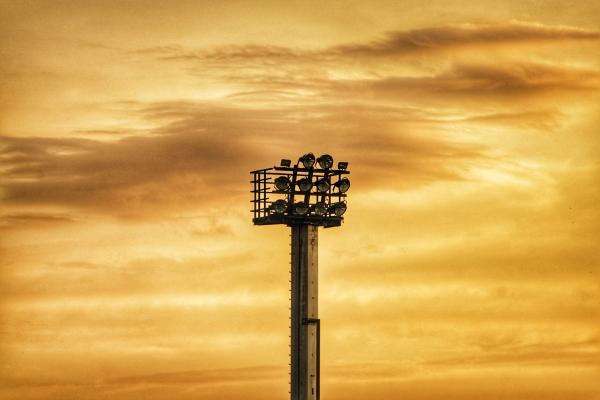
343, 165
338, 209
300, 208
343, 185
304, 185
325, 161
308, 160
323, 185
319, 209
282, 183
279, 206
286, 163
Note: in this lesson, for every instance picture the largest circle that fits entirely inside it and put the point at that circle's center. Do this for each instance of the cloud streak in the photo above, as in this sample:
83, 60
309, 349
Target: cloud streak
448, 37
199, 155
396, 43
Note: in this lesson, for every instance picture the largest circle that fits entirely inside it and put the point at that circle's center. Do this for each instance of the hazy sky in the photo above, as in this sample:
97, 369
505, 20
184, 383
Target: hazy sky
468, 266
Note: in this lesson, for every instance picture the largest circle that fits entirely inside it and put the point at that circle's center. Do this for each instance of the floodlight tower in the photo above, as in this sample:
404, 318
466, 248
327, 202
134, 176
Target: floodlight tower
308, 195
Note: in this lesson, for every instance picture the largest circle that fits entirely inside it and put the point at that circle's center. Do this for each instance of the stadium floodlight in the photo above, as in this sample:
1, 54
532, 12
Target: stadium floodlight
304, 184
279, 206
300, 208
323, 185
343, 185
282, 183
294, 184
308, 160
283, 195
338, 209
325, 161
319, 208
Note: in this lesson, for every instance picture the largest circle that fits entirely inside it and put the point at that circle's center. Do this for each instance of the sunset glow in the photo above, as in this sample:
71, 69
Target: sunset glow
468, 264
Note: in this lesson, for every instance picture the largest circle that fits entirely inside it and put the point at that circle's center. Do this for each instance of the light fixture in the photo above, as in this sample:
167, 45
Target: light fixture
325, 161
307, 190
343, 185
322, 185
279, 206
304, 184
319, 209
308, 160
338, 209
282, 183
300, 208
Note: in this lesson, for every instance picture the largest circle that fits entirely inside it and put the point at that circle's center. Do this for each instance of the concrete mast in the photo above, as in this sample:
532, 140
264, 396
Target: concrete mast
305, 324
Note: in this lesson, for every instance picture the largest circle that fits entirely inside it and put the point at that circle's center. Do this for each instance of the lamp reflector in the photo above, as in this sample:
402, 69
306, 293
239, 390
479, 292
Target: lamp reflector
300, 208
338, 209
319, 209
308, 160
323, 185
343, 185
325, 161
279, 206
304, 184
282, 183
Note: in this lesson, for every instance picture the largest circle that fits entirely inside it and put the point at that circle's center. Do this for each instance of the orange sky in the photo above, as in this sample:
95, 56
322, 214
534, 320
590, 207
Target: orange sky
467, 266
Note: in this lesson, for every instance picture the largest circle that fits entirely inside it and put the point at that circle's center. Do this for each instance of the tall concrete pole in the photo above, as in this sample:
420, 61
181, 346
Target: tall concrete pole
305, 325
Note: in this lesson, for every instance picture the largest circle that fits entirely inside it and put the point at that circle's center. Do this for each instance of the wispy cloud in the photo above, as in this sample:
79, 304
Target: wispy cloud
579, 353
393, 44
481, 81
230, 375
452, 36
201, 152
8, 221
